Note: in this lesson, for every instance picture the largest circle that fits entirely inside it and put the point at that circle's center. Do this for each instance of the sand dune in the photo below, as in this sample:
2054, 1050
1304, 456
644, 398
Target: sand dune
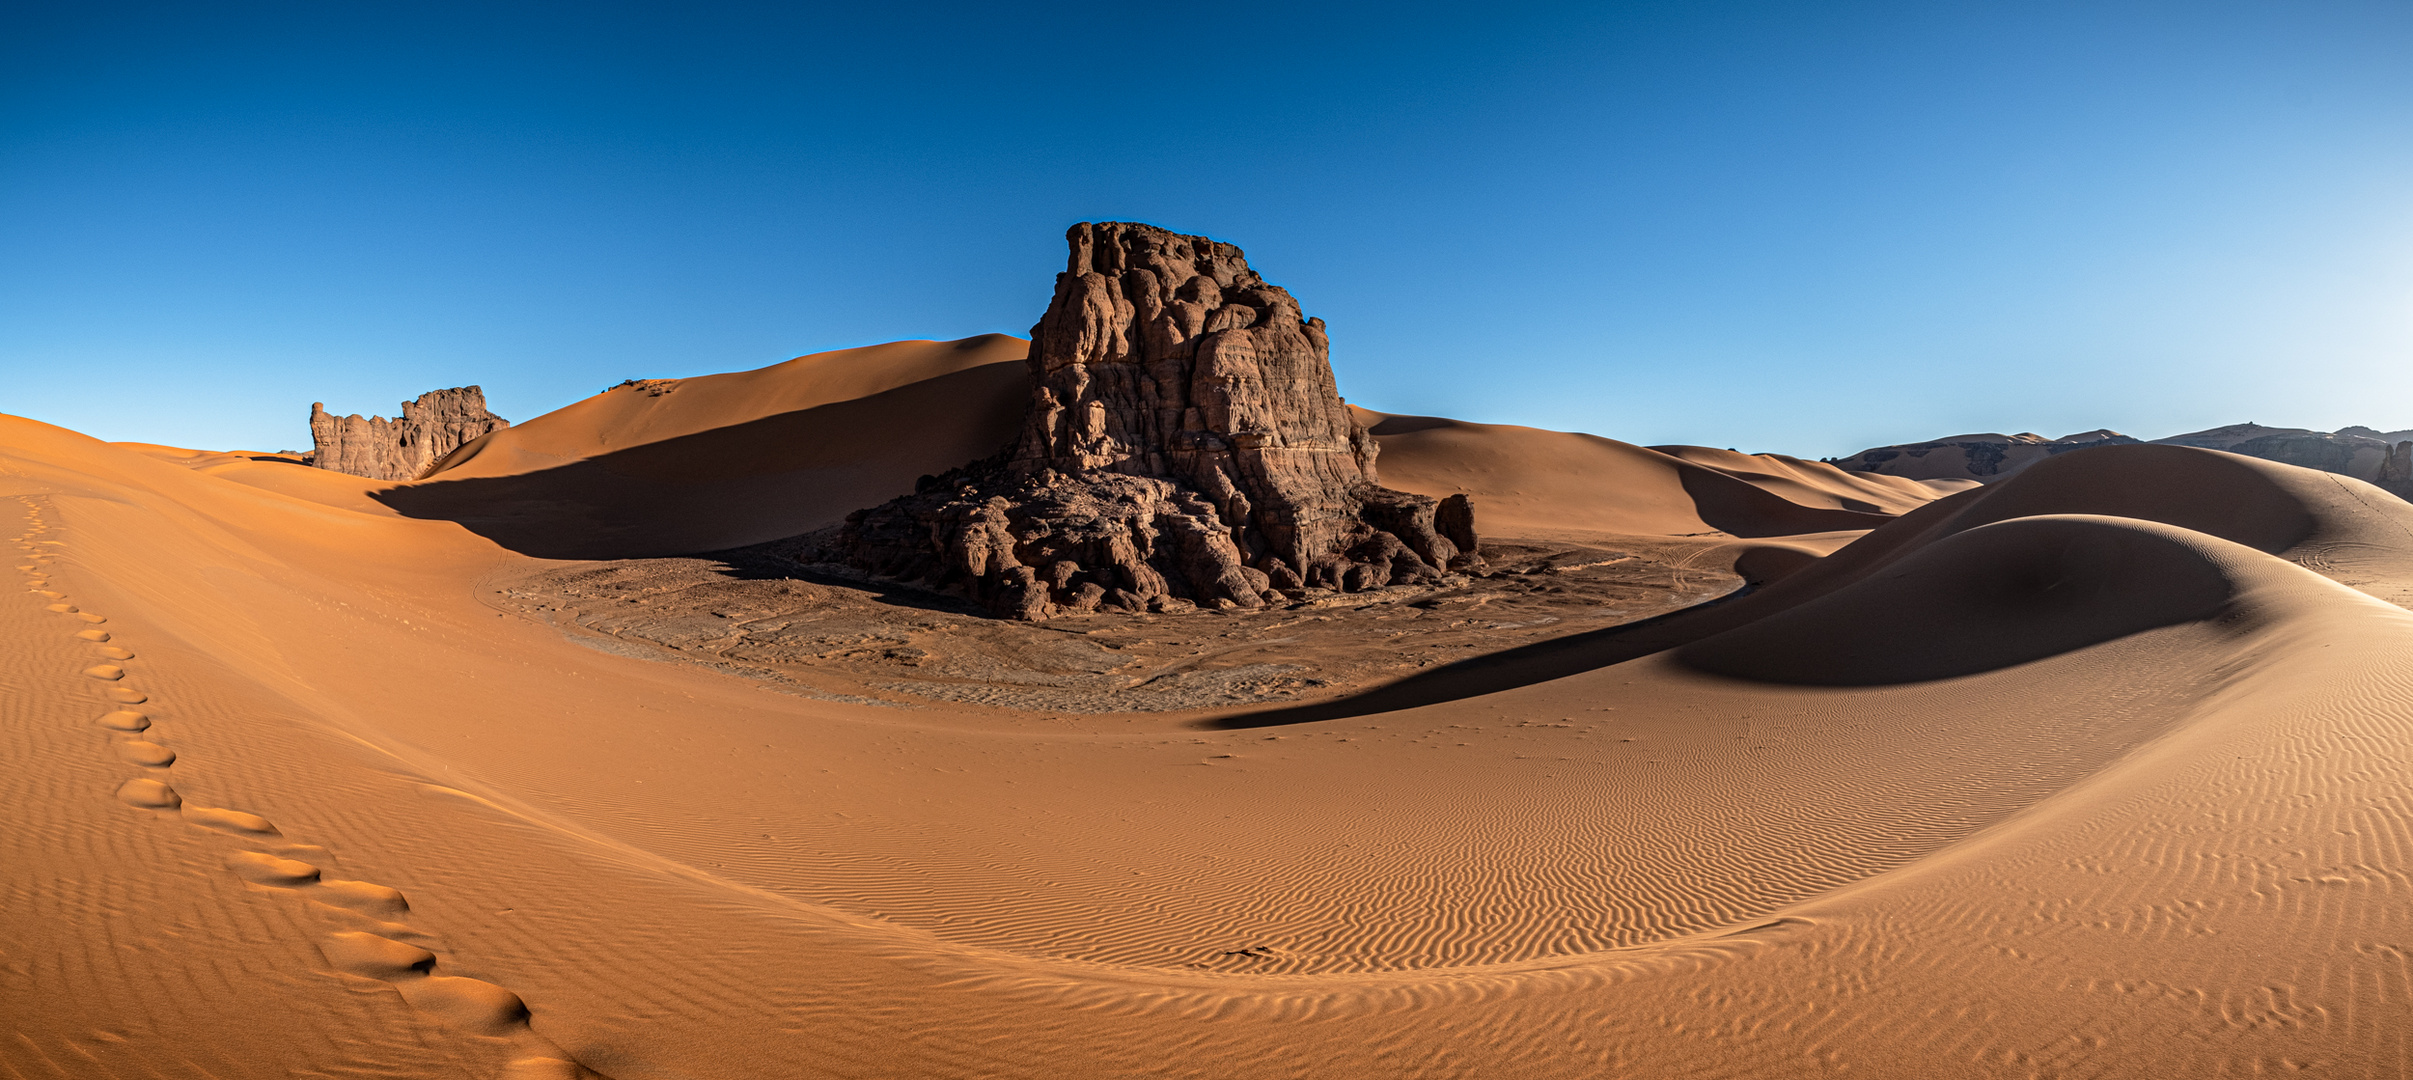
720, 461
2101, 770
1528, 481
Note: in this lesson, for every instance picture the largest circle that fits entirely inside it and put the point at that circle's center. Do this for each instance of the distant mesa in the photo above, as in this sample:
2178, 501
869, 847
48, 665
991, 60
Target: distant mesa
437, 424
2382, 457
1985, 458
1185, 445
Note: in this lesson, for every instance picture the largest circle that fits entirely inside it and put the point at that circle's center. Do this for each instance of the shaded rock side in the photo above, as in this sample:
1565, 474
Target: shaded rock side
1185, 444
438, 423
2396, 473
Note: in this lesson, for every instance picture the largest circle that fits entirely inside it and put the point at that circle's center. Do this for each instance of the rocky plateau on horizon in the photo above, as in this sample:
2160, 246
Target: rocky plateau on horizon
2384, 458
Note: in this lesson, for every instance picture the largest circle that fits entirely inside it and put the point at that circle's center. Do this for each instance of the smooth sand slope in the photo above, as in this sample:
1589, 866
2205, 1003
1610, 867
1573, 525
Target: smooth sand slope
2099, 771
1534, 482
679, 465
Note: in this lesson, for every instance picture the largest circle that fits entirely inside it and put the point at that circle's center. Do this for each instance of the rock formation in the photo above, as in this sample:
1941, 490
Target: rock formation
1185, 444
2345, 452
405, 449
2396, 473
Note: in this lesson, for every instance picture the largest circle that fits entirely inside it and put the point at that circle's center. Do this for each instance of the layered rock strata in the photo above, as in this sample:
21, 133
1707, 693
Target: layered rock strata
405, 448
1185, 445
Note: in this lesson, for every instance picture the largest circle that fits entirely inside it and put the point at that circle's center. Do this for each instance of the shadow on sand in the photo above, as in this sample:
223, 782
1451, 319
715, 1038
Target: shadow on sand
731, 486
1526, 665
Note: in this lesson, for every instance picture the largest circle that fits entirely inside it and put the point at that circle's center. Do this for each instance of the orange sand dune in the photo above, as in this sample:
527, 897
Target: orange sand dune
2102, 771
1526, 481
720, 461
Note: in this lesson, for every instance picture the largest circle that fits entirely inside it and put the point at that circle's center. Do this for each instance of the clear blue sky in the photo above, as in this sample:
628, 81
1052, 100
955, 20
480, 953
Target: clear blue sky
1806, 227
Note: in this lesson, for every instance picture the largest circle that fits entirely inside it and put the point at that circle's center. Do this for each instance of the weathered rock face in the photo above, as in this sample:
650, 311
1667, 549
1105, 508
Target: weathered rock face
2344, 452
1185, 444
2396, 473
405, 449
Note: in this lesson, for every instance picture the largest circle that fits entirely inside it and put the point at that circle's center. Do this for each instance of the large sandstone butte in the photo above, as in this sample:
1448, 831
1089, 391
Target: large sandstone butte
405, 449
1185, 445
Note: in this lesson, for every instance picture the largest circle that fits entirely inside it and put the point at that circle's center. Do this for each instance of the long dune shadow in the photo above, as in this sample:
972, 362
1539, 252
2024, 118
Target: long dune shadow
1990, 598
1525, 665
1993, 597
1738, 507
742, 484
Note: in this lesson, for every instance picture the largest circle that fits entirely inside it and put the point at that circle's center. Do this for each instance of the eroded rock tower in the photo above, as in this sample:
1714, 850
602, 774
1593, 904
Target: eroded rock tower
1185, 444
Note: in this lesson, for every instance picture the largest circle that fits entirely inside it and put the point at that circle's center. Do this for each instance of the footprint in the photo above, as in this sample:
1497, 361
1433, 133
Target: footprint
93, 635
127, 696
88, 616
106, 672
149, 794
124, 720
63, 609
115, 653
150, 754
472, 1005
261, 868
51, 594
364, 897
374, 957
233, 821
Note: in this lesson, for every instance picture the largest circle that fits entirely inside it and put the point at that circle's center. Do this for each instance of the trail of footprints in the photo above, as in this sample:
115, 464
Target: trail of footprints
373, 946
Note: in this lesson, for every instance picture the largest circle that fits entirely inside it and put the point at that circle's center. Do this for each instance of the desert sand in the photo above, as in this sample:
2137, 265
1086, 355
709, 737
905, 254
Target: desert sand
1729, 765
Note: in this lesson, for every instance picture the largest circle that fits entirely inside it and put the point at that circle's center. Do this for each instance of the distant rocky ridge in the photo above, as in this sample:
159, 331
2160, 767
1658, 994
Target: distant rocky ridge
1984, 458
404, 449
2347, 451
1185, 445
2382, 457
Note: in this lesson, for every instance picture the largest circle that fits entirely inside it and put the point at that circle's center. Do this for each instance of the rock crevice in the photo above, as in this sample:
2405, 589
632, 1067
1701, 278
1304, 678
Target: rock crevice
1185, 445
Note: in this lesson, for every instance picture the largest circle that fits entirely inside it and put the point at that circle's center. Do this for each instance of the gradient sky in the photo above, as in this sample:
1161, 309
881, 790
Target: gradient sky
1806, 228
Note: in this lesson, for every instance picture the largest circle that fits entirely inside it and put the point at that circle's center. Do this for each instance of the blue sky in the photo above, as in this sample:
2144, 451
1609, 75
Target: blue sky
1806, 228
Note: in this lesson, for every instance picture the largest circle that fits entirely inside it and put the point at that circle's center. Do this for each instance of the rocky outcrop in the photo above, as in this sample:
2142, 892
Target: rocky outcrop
2396, 473
1986, 458
404, 449
1185, 445
2360, 452
2344, 451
